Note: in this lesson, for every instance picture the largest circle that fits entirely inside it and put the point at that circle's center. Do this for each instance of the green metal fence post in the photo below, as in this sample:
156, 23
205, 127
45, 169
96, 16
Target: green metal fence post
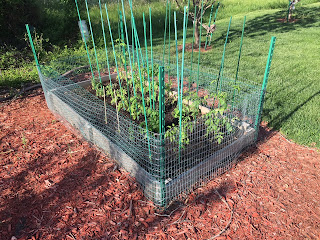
264, 86
162, 134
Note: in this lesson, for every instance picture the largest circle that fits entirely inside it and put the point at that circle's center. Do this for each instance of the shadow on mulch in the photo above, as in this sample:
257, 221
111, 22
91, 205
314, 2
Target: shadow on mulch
55, 195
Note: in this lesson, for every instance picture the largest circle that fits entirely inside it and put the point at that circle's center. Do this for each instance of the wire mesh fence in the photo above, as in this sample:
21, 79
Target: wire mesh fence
170, 126
166, 170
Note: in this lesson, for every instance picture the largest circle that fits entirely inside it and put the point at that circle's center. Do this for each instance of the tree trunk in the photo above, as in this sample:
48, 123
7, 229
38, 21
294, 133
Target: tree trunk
196, 34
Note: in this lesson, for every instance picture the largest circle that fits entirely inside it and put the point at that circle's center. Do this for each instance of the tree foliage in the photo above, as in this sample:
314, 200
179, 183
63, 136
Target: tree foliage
56, 19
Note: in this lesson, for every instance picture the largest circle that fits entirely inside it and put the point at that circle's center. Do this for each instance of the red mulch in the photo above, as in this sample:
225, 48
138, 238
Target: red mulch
54, 185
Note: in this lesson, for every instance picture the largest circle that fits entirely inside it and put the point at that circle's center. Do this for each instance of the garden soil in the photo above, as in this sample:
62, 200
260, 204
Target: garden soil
54, 185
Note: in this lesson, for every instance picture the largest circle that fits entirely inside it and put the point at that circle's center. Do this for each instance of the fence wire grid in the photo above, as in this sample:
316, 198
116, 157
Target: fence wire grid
164, 173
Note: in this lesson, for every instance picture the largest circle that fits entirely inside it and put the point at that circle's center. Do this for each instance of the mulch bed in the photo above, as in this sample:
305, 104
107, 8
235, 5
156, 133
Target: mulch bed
54, 185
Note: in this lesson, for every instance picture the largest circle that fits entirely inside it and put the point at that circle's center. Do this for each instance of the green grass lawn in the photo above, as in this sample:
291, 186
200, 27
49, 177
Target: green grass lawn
293, 94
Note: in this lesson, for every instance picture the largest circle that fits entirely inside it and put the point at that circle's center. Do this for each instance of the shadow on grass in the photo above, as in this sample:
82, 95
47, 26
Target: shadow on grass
277, 122
306, 17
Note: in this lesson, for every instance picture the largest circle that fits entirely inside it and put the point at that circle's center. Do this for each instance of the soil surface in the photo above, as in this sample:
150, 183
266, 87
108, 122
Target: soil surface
54, 185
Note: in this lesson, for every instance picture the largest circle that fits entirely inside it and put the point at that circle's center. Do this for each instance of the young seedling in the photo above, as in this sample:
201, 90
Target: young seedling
24, 140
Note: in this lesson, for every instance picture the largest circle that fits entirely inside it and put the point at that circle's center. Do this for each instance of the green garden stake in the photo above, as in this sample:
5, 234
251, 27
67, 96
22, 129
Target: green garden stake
214, 21
264, 86
187, 14
169, 67
114, 54
236, 78
219, 81
178, 80
124, 59
93, 43
199, 47
33, 48
137, 41
142, 89
85, 42
146, 47
128, 49
177, 53
119, 23
211, 12
194, 26
105, 43
181, 85
132, 43
165, 33
162, 133
153, 97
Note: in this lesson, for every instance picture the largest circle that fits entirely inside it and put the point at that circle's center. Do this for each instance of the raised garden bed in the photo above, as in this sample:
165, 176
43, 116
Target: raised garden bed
164, 172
